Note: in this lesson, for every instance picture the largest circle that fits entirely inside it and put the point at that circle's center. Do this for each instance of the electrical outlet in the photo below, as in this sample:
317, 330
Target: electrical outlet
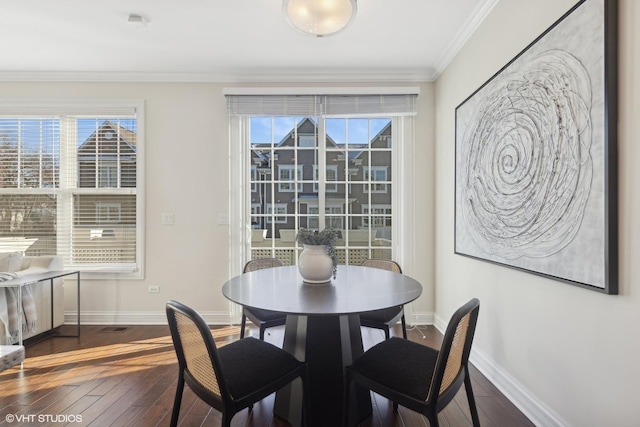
154, 289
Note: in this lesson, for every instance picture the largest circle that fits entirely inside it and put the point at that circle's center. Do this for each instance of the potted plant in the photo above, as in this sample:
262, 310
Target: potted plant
318, 261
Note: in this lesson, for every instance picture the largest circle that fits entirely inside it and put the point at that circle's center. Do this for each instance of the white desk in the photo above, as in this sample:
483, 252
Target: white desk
20, 282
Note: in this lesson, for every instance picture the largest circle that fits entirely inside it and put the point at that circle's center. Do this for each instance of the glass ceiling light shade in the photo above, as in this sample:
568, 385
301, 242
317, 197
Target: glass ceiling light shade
320, 18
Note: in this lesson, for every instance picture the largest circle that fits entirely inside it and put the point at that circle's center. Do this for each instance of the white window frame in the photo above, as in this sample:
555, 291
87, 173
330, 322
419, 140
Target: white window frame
304, 101
66, 109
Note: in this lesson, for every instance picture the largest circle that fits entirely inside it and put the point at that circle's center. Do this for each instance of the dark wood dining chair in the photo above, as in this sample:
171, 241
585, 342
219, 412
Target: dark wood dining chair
232, 377
418, 377
386, 318
262, 318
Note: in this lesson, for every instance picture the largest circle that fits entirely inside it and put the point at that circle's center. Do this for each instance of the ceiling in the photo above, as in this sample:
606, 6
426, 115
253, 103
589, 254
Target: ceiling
228, 40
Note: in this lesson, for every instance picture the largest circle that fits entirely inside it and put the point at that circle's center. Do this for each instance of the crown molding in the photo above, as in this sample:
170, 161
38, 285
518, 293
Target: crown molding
268, 75
458, 42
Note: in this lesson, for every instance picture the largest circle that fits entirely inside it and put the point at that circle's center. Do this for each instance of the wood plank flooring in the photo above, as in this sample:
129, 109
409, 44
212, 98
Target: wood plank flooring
128, 378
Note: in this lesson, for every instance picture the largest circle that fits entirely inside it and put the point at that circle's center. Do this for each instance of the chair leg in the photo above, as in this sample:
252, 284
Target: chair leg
404, 327
262, 329
177, 400
472, 401
243, 324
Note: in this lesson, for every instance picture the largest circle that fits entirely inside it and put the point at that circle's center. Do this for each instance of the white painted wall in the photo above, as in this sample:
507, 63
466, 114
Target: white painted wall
188, 175
567, 355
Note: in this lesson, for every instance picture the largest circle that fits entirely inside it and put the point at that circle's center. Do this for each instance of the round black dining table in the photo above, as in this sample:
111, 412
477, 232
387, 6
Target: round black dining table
323, 329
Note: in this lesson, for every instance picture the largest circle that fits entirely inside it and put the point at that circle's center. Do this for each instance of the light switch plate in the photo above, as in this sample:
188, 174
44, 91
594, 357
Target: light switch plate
167, 219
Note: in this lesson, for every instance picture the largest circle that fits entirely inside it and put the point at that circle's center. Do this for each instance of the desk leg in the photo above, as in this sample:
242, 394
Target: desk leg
20, 316
78, 301
52, 304
77, 273
327, 344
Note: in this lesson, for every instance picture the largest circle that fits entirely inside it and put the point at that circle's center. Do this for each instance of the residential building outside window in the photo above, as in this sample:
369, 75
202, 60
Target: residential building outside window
70, 181
352, 151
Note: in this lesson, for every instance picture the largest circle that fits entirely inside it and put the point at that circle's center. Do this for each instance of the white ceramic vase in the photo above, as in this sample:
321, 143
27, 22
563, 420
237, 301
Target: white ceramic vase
315, 264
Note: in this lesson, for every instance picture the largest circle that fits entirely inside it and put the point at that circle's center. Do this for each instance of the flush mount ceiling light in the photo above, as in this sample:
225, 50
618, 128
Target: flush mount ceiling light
320, 18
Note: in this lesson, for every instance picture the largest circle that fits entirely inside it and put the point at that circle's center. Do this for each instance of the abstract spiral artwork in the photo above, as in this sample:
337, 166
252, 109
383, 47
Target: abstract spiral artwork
535, 156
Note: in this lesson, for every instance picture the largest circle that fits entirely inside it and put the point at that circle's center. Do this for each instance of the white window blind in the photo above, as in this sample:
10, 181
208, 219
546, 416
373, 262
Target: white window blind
69, 184
401, 104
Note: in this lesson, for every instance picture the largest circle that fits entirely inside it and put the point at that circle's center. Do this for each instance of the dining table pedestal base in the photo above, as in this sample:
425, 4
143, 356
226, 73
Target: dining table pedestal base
327, 344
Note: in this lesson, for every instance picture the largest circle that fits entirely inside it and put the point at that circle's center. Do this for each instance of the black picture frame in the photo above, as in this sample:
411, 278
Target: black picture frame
536, 155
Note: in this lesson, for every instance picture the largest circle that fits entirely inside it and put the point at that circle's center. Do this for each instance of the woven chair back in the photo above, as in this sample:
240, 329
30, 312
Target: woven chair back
383, 264
456, 345
454, 361
196, 355
262, 263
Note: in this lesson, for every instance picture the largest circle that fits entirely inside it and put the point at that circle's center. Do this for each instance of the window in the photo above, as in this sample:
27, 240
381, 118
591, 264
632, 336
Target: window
377, 216
254, 178
356, 151
333, 217
330, 178
332, 161
288, 175
108, 213
108, 175
373, 176
66, 172
307, 141
277, 213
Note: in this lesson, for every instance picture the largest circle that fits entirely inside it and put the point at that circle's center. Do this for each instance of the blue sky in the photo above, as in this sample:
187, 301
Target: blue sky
356, 131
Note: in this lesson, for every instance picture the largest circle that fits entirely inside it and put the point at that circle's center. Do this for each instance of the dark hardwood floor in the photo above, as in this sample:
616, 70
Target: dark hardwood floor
126, 376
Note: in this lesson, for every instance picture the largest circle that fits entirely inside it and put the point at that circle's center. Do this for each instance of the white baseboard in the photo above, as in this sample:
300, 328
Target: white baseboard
517, 394
419, 318
136, 318
160, 318
533, 409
